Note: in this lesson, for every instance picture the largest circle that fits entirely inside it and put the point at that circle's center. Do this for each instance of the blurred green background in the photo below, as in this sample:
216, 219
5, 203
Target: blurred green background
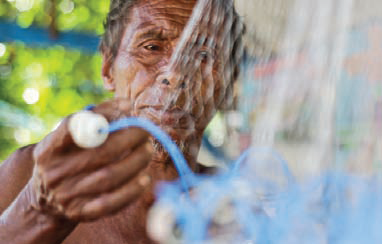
40, 83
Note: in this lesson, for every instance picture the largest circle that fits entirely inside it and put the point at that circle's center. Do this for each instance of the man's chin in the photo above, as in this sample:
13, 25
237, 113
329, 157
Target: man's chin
178, 134
178, 127
160, 153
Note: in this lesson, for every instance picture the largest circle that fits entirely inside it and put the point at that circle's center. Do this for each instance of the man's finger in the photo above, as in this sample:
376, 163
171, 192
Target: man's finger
60, 139
55, 142
107, 178
111, 202
119, 143
117, 146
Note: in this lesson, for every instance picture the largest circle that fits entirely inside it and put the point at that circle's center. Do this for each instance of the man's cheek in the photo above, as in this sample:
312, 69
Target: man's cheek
212, 88
126, 76
122, 87
142, 80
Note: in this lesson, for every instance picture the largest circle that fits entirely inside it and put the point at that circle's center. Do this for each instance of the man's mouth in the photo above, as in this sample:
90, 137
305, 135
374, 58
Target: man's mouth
173, 117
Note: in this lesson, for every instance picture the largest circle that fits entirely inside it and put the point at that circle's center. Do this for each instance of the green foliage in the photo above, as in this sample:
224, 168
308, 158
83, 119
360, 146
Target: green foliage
61, 80
68, 14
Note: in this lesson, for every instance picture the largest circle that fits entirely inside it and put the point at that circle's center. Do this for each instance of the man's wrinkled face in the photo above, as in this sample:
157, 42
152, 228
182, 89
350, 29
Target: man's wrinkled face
158, 90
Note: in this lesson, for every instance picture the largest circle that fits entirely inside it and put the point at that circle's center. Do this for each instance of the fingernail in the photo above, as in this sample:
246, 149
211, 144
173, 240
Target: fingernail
60, 208
149, 147
144, 180
50, 197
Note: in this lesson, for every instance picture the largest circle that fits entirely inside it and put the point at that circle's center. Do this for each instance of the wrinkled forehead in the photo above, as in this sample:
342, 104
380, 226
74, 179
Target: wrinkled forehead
175, 13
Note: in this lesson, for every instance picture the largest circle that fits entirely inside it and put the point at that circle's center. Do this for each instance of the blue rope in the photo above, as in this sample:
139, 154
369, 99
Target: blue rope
186, 175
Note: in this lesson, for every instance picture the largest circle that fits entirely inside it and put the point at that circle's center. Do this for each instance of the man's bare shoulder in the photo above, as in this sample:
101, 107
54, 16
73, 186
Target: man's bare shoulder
15, 173
22, 157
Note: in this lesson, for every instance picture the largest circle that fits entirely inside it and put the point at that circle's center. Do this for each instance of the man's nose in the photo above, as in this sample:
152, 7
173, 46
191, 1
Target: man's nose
172, 80
177, 88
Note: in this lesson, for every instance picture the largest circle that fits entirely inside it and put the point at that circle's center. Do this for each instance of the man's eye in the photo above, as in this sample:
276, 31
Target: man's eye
152, 47
204, 56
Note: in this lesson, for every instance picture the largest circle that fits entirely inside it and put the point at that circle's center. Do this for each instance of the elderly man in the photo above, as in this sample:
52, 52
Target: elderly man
56, 192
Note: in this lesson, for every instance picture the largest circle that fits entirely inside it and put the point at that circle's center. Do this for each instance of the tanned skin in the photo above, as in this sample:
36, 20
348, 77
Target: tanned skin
55, 192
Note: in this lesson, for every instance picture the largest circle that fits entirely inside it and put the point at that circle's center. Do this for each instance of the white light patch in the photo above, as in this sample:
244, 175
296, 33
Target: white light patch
3, 49
34, 71
31, 95
217, 138
235, 119
67, 6
22, 136
24, 5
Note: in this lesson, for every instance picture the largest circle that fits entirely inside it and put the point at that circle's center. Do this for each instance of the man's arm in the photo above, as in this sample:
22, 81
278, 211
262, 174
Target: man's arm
47, 189
22, 223
15, 173
19, 221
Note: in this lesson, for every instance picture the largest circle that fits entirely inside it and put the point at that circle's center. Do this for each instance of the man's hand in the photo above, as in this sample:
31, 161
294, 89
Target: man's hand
86, 184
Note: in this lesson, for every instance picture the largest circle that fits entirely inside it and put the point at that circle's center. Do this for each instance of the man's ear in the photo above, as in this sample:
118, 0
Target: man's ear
107, 73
